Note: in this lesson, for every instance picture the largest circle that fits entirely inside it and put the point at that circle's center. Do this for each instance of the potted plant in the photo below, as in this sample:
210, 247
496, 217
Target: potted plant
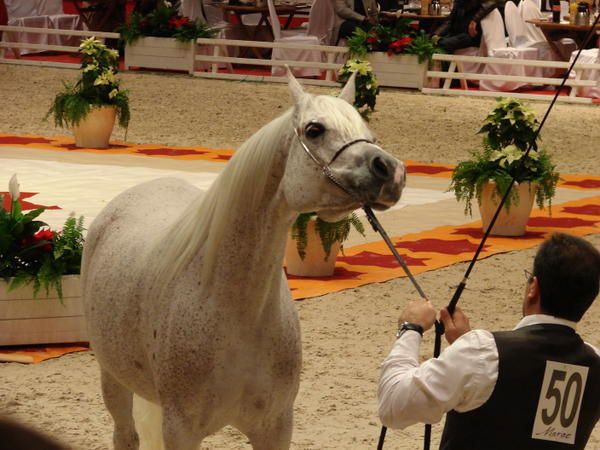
367, 87
91, 105
162, 39
398, 53
508, 131
314, 244
39, 276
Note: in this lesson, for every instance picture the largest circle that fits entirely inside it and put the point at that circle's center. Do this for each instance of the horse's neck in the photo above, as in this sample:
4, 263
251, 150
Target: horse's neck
249, 266
249, 263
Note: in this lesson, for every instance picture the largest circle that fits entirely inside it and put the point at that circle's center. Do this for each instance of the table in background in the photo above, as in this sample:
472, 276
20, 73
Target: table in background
555, 31
250, 33
426, 21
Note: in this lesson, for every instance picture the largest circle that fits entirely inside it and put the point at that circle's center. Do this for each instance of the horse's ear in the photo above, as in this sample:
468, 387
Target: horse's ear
349, 91
295, 87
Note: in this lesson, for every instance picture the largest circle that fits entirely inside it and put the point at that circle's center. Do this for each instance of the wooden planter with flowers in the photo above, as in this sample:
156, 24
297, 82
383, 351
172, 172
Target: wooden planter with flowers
40, 298
160, 53
162, 39
43, 319
403, 71
399, 55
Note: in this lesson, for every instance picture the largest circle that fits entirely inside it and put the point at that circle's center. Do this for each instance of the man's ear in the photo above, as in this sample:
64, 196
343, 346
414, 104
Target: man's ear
349, 91
534, 298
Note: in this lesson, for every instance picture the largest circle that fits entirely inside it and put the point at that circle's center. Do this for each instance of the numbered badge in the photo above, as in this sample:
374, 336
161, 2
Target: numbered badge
560, 401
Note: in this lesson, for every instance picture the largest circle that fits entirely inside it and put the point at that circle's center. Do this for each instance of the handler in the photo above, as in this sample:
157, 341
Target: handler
535, 387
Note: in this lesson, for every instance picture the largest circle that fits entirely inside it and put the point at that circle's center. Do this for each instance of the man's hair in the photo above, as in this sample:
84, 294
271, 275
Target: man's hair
568, 273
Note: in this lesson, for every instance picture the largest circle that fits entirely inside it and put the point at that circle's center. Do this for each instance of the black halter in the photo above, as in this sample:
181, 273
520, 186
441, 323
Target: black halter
325, 166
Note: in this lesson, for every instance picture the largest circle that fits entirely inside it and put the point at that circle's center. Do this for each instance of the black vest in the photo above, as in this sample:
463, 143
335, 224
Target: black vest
507, 419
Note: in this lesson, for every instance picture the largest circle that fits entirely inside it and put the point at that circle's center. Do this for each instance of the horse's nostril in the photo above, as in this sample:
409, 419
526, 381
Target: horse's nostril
380, 169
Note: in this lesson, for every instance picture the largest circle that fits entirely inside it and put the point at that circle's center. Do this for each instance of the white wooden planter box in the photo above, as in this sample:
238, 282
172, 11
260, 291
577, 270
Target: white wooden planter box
26, 320
160, 53
398, 70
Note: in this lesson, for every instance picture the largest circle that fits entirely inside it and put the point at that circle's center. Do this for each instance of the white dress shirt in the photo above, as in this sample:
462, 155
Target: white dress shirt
462, 378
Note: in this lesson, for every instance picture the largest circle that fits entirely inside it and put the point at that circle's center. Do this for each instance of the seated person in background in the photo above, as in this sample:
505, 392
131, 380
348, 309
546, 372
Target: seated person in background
462, 29
355, 13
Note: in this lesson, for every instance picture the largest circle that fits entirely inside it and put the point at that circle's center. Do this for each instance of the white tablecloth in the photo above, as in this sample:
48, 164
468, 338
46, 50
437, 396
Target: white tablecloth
40, 14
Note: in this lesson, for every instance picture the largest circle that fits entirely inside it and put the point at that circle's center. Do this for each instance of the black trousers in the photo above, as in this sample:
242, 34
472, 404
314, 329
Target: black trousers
458, 41
348, 26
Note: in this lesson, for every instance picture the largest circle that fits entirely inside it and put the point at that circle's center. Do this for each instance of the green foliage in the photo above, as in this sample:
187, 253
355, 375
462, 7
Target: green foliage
329, 232
367, 87
396, 39
97, 87
510, 123
424, 47
508, 129
164, 21
32, 253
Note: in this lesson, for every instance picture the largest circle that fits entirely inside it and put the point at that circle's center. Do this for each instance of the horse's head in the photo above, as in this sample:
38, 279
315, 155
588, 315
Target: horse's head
329, 131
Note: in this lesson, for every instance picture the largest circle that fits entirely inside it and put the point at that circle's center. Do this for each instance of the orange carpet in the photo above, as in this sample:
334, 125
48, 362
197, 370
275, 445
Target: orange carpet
371, 262
445, 245
38, 353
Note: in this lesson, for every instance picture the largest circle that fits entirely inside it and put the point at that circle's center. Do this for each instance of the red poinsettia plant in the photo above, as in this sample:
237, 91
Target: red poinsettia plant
164, 21
398, 38
30, 252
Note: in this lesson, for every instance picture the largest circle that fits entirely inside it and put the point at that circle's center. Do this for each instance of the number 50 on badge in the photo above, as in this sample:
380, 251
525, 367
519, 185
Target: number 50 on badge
560, 401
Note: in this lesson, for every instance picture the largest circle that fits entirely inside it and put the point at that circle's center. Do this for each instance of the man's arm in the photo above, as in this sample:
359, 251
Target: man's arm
486, 8
462, 378
345, 12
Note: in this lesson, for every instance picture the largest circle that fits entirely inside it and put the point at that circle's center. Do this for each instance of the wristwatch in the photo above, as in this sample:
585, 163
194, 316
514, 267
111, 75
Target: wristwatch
409, 326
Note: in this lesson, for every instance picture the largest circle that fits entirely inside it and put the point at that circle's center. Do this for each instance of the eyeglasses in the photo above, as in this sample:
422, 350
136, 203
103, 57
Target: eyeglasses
528, 275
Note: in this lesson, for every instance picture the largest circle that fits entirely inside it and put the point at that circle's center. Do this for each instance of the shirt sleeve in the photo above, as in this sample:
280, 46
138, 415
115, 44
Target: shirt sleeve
462, 378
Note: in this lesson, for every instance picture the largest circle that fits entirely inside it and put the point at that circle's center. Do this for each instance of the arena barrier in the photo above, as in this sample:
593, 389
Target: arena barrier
329, 53
455, 72
4, 44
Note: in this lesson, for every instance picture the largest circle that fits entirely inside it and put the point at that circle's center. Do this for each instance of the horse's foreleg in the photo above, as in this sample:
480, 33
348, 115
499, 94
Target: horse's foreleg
275, 434
180, 431
119, 401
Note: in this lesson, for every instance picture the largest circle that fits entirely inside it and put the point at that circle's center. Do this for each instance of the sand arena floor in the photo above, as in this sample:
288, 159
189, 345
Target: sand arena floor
345, 335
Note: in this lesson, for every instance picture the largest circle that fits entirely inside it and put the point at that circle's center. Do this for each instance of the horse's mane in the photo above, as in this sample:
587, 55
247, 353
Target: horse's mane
207, 221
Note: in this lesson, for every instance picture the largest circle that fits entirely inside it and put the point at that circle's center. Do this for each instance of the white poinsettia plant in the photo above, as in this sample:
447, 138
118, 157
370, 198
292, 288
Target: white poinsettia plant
97, 87
508, 130
367, 87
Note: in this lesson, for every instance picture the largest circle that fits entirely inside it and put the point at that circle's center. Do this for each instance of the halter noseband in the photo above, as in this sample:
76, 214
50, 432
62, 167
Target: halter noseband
325, 166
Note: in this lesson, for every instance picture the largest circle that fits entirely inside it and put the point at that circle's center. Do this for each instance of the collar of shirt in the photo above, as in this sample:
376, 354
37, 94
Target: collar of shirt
535, 319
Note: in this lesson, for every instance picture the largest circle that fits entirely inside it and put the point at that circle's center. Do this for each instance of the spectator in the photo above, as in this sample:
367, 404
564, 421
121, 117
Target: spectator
353, 14
463, 29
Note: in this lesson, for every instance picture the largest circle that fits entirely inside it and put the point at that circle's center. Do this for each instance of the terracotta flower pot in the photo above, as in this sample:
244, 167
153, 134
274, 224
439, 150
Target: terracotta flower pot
95, 129
314, 263
514, 222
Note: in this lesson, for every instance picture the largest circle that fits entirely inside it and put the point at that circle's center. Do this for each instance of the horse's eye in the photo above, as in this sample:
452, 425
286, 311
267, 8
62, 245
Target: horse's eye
314, 130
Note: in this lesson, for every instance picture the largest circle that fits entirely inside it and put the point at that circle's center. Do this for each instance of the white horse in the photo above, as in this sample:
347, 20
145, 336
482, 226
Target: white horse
185, 298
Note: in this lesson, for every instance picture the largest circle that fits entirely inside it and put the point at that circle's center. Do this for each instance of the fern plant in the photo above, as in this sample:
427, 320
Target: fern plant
31, 253
329, 232
98, 86
508, 131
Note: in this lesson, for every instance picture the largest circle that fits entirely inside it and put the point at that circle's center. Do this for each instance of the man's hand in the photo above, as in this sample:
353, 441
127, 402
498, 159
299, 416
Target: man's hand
472, 29
371, 20
456, 325
420, 312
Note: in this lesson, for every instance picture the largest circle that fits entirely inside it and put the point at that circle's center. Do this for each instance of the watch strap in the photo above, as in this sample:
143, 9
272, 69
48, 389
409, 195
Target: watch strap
409, 326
